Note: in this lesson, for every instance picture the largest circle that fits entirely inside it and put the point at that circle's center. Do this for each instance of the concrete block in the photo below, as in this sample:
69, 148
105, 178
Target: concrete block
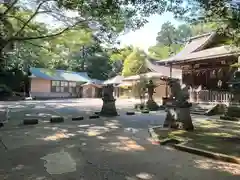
78, 118
130, 113
30, 121
56, 119
93, 117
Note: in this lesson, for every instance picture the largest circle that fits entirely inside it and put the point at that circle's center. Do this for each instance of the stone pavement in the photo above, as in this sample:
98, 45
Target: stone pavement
97, 149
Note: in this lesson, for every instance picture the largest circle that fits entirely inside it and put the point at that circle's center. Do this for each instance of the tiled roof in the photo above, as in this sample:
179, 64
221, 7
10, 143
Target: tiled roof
194, 44
165, 72
60, 75
115, 80
209, 53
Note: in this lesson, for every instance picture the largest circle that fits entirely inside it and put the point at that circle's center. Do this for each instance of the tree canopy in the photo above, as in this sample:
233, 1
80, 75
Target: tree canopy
134, 63
77, 39
170, 39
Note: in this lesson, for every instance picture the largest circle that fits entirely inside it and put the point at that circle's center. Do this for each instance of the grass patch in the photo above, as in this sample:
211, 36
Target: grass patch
216, 136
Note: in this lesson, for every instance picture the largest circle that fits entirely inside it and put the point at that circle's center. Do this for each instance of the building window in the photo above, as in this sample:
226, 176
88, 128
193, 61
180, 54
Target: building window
59, 86
55, 83
72, 87
72, 84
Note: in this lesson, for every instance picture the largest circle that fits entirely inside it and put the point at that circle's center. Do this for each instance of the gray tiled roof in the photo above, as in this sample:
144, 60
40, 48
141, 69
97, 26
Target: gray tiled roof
115, 80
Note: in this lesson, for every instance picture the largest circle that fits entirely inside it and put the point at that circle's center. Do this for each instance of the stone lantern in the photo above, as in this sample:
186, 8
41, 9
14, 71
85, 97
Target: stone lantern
151, 104
108, 107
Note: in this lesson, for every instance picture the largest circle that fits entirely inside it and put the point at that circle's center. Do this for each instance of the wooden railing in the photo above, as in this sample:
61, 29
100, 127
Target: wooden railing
210, 96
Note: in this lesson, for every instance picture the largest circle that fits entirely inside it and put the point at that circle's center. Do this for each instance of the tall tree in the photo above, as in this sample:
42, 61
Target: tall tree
134, 63
167, 35
183, 33
117, 57
106, 16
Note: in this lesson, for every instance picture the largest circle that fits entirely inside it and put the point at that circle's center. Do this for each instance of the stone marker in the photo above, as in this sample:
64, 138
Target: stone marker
30, 121
93, 117
130, 113
78, 118
56, 119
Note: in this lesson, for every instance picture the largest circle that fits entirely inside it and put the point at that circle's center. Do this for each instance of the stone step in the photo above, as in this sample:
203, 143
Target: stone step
199, 110
198, 113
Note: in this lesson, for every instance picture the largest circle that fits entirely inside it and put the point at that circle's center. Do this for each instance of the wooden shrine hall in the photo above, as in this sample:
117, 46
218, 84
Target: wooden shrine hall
205, 62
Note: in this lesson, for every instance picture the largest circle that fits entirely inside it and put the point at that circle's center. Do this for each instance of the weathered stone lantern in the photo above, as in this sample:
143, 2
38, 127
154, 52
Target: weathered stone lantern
151, 104
108, 107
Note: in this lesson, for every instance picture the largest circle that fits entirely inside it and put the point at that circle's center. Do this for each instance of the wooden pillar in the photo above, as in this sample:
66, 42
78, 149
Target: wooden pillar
170, 70
192, 80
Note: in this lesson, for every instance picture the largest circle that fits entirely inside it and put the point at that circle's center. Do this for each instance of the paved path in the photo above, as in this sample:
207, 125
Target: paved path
98, 149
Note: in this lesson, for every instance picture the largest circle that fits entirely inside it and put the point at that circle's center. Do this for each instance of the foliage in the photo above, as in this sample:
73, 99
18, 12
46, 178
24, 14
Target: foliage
106, 17
98, 66
224, 13
134, 63
202, 28
171, 40
117, 57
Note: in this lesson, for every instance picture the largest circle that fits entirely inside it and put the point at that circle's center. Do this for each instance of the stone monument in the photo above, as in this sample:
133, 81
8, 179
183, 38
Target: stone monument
108, 107
151, 104
178, 107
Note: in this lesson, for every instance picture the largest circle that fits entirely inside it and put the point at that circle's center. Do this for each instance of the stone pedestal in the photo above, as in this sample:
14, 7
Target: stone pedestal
109, 108
178, 113
152, 105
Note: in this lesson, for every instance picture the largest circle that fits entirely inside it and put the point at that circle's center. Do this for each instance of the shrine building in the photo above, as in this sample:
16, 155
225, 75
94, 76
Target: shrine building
206, 63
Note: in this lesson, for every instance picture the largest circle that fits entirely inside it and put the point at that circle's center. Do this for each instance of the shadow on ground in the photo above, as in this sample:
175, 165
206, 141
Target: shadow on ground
99, 149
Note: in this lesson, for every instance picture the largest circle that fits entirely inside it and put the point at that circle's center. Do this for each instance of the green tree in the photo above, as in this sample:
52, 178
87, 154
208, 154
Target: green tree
134, 63
202, 28
225, 14
107, 17
117, 57
167, 35
170, 40
159, 51
183, 33
98, 66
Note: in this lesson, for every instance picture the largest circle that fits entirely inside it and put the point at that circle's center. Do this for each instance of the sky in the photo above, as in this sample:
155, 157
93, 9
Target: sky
146, 36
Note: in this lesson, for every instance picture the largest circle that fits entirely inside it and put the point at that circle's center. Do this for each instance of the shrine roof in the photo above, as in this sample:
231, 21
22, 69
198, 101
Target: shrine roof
197, 49
194, 44
210, 53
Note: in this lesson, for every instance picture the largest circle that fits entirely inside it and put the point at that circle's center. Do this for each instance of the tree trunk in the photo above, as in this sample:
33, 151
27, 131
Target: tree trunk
27, 85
